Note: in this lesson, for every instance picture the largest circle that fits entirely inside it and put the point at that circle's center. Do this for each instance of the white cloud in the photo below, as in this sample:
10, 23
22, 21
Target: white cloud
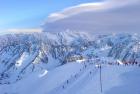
27, 30
98, 6
103, 17
74, 10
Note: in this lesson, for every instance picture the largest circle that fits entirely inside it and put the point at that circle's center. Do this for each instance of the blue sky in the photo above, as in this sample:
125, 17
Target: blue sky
31, 13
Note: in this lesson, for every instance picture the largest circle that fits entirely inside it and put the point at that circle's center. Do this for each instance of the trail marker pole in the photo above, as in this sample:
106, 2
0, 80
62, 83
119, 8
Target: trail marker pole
101, 78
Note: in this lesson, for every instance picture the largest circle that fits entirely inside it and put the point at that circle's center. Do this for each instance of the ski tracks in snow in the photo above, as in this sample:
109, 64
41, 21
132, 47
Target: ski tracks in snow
79, 80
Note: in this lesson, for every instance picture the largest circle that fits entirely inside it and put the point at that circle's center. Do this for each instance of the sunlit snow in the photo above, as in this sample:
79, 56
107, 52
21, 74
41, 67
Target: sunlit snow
21, 59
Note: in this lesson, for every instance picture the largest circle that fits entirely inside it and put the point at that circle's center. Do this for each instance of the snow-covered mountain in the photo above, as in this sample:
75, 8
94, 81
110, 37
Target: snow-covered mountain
91, 48
30, 56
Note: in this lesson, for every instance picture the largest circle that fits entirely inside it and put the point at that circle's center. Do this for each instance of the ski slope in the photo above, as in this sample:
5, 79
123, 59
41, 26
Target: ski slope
80, 78
113, 81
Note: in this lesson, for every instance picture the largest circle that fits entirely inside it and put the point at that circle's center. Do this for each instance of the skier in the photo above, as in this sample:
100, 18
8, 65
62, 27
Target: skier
136, 62
85, 66
67, 81
75, 75
118, 63
90, 72
63, 87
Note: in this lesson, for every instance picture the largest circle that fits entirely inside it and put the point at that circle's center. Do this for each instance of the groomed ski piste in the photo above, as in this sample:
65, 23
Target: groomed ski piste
85, 77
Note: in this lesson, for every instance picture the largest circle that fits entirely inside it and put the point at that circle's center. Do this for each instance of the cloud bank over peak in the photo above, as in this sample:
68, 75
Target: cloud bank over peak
17, 31
98, 6
109, 16
74, 10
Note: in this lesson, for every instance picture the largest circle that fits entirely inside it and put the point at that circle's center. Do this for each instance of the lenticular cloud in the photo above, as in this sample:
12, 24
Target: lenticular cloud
110, 16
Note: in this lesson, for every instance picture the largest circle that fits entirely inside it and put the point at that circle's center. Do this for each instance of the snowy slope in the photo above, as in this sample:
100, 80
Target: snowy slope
90, 83
52, 63
115, 79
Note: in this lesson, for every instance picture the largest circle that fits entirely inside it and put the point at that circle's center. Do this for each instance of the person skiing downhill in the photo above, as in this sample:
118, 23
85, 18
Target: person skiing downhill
67, 81
63, 87
90, 72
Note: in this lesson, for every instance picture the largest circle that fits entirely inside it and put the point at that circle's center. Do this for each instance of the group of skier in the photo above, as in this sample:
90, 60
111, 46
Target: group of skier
97, 62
